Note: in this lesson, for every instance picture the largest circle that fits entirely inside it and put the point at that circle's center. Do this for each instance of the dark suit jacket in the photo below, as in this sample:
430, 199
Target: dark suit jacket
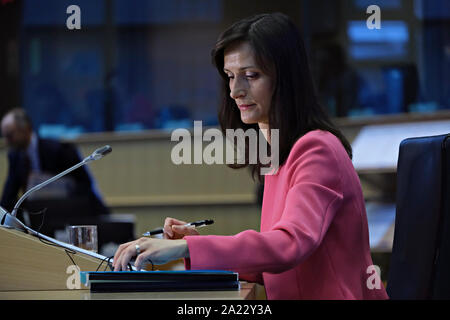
54, 157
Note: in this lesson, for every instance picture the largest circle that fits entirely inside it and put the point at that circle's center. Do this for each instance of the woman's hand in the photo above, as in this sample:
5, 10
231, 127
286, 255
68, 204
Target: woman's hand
176, 229
159, 251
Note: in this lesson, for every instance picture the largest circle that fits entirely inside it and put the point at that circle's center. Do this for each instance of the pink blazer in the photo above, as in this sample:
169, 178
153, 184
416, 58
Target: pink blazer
314, 239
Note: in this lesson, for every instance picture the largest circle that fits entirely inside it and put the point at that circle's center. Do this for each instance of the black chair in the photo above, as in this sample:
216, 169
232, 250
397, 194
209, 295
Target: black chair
420, 261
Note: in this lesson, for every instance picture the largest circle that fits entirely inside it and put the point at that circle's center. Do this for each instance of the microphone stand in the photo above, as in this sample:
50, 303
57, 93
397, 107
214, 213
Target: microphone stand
10, 220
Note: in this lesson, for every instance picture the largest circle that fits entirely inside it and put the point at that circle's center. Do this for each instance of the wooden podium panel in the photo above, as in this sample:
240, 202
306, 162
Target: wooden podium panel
32, 269
27, 263
247, 292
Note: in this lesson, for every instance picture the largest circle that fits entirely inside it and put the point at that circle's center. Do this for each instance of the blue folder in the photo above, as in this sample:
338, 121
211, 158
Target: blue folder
138, 281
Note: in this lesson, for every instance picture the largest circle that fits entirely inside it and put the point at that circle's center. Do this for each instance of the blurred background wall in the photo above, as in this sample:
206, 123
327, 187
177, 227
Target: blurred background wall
138, 69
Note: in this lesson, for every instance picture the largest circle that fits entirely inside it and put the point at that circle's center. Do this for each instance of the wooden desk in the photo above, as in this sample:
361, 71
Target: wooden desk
247, 292
33, 270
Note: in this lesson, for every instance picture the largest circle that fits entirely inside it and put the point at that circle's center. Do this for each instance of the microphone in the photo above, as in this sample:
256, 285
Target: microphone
11, 220
100, 153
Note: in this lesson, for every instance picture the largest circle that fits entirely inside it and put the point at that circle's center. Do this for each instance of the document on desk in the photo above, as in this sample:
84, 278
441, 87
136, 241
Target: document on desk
140, 281
377, 146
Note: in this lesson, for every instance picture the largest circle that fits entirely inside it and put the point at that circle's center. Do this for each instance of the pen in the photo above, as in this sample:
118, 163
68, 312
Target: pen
196, 224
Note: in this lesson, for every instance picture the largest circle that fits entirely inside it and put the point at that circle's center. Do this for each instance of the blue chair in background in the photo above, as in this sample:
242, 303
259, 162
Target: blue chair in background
420, 261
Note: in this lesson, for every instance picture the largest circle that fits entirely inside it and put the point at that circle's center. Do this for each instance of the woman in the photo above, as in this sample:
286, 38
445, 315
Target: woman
313, 242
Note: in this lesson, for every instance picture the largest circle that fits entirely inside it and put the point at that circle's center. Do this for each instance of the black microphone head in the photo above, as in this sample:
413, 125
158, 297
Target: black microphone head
105, 150
101, 152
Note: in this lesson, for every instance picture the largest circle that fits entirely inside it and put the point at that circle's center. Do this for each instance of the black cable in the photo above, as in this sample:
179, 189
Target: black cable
44, 241
68, 251
108, 264
153, 266
43, 211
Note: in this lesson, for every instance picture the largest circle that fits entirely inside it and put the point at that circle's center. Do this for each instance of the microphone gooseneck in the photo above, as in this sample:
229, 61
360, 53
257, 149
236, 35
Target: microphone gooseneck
96, 155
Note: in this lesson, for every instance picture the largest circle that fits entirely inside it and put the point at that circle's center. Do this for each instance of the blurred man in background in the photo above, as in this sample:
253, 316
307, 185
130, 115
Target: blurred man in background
33, 160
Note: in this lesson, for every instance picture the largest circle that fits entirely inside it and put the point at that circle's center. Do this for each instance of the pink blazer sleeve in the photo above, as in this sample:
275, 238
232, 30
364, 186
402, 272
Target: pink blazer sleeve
313, 197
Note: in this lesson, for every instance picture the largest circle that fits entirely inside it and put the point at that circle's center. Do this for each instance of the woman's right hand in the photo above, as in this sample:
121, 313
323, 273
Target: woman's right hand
176, 229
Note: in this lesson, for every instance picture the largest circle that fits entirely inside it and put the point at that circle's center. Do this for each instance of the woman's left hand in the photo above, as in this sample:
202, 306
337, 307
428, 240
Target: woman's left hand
159, 251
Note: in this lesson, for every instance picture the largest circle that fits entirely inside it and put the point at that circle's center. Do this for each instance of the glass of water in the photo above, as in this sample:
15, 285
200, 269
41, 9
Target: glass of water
84, 237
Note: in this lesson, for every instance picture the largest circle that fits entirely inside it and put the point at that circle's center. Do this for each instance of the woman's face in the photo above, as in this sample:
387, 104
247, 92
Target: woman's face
250, 88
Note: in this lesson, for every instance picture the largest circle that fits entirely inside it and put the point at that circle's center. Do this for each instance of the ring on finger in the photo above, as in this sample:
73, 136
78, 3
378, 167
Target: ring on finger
138, 249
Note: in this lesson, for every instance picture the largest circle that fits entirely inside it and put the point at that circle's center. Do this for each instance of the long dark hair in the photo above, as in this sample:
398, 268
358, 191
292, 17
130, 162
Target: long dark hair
280, 51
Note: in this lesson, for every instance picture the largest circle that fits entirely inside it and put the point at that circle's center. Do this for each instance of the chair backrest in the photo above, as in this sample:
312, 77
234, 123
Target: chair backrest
420, 261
